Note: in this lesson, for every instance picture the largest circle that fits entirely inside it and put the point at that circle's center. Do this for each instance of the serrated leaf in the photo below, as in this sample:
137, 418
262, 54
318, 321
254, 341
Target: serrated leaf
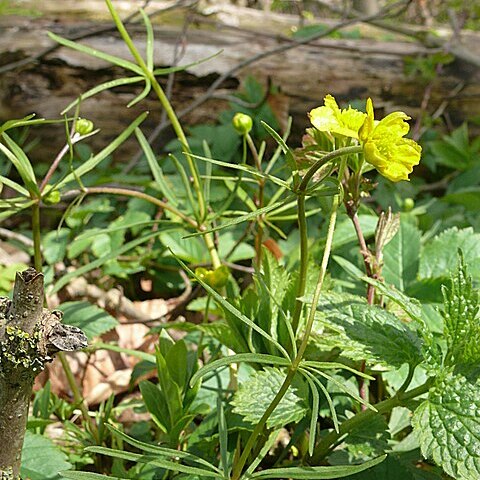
92, 320
255, 395
401, 256
448, 426
438, 258
461, 326
42, 459
366, 331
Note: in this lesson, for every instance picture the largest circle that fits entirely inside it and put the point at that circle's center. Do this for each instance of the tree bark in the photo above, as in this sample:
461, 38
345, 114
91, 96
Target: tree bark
29, 337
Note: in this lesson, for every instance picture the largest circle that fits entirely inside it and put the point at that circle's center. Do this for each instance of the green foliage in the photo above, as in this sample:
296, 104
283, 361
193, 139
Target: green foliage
448, 424
364, 331
254, 396
42, 459
258, 379
93, 321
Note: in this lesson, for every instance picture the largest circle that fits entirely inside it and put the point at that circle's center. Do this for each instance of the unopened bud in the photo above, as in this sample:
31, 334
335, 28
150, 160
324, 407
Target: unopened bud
242, 123
51, 198
83, 126
408, 204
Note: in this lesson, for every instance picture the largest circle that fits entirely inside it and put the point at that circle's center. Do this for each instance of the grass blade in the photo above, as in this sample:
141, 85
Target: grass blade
120, 62
261, 358
155, 449
96, 159
321, 473
21, 162
100, 88
243, 218
157, 171
233, 310
152, 460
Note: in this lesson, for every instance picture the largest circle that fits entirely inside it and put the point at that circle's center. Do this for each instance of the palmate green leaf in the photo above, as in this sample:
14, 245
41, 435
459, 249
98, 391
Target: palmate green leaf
41, 458
155, 461
120, 62
244, 218
313, 473
255, 394
448, 425
461, 325
438, 257
401, 255
244, 168
92, 162
365, 331
21, 162
239, 358
157, 171
92, 320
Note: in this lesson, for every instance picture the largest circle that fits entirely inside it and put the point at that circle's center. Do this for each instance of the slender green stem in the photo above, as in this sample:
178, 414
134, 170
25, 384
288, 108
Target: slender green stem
259, 200
177, 127
238, 467
77, 396
302, 225
329, 441
144, 196
37, 237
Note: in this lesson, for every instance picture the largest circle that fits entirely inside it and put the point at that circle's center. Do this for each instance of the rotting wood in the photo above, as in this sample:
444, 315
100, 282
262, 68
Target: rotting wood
30, 335
347, 68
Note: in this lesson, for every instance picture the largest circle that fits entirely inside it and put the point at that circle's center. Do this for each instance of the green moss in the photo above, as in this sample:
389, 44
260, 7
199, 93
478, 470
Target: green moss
19, 349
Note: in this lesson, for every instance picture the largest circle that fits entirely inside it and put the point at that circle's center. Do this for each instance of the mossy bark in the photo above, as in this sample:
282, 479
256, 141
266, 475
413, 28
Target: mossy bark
29, 337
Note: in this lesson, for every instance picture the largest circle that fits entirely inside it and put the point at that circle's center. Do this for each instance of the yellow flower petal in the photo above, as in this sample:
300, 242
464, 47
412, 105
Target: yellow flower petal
330, 118
384, 146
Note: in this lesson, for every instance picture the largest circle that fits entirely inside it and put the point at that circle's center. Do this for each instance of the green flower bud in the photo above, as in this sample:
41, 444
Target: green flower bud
83, 126
242, 123
408, 204
51, 198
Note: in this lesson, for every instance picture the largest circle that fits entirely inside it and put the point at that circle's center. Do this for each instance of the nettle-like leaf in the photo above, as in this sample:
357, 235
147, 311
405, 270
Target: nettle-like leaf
255, 395
42, 459
448, 425
365, 331
401, 257
461, 326
438, 257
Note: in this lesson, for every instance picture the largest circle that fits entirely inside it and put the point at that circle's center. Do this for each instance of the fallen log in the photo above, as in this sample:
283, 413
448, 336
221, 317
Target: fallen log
348, 68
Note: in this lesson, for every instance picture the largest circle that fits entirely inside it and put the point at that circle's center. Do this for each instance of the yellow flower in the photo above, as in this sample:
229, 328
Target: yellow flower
386, 148
330, 118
